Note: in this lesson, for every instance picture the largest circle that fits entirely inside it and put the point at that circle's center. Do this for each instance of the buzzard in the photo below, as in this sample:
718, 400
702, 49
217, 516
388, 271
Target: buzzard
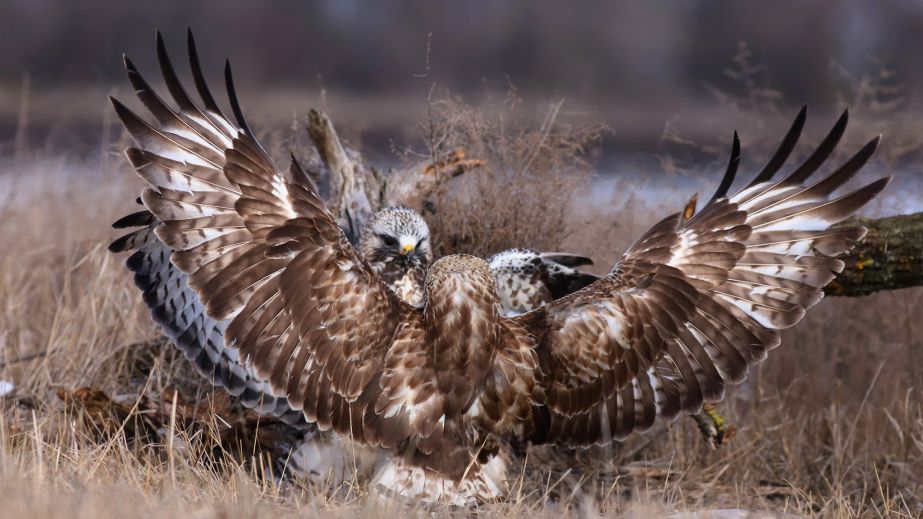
527, 279
174, 305
439, 389
395, 242
176, 309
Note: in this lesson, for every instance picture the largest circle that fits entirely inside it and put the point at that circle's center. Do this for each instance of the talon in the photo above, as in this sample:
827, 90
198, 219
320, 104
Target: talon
715, 428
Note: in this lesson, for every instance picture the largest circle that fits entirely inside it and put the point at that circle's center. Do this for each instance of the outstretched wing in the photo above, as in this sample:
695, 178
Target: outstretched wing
696, 301
261, 251
176, 309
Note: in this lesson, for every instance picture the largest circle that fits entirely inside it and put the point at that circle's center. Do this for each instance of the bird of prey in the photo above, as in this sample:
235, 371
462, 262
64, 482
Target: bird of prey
174, 305
689, 308
176, 309
394, 241
396, 244
527, 279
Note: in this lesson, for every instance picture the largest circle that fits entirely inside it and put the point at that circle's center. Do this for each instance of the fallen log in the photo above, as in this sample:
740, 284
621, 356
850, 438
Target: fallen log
890, 257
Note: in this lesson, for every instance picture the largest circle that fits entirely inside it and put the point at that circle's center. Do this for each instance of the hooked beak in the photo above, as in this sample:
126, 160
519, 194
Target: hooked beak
406, 249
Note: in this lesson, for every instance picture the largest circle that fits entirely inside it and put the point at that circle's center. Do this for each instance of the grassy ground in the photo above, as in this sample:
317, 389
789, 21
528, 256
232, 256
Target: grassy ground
831, 425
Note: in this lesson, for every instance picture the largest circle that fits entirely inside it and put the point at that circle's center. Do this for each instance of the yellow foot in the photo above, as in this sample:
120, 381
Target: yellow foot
714, 427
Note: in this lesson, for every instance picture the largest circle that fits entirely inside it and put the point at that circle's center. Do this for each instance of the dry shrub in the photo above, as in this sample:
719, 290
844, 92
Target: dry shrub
521, 197
877, 102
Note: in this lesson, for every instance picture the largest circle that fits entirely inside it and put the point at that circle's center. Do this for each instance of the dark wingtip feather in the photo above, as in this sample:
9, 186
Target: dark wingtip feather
135, 125
823, 151
124, 113
785, 148
848, 170
118, 245
174, 85
854, 201
232, 97
137, 219
136, 158
731, 171
122, 243
163, 57
879, 185
197, 76
872, 190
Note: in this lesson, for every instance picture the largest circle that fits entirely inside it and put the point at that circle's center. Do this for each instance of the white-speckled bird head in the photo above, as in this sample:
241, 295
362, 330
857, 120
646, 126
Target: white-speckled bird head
396, 235
515, 261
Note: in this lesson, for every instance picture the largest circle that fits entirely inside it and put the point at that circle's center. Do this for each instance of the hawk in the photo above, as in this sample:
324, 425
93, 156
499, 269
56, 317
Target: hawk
176, 309
437, 389
527, 279
394, 241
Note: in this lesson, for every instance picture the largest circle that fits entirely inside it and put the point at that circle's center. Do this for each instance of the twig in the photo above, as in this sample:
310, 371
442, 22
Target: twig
170, 437
428, 88
24, 358
547, 124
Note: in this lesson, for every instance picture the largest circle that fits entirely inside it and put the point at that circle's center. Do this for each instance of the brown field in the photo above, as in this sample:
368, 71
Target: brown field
831, 425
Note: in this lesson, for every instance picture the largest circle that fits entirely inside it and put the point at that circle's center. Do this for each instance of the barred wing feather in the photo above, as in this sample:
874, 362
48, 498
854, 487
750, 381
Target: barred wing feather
718, 286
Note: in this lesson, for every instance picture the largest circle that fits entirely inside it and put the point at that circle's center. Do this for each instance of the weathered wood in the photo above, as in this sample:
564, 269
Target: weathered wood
349, 198
414, 185
358, 190
890, 257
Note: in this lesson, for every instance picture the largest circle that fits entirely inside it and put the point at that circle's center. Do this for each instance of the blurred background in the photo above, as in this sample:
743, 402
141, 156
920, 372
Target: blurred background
671, 79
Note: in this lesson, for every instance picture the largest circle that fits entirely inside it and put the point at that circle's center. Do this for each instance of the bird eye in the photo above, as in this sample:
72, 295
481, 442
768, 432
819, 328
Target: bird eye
421, 242
389, 241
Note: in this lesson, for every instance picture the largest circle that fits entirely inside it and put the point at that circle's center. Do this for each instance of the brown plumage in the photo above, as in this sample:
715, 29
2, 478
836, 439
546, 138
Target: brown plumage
688, 309
175, 307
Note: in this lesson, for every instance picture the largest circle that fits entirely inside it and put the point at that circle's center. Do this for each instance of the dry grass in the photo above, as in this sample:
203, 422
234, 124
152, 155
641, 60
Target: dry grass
830, 426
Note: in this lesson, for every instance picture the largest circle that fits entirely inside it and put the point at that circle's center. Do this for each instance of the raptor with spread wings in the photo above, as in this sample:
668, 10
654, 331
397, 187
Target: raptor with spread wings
688, 309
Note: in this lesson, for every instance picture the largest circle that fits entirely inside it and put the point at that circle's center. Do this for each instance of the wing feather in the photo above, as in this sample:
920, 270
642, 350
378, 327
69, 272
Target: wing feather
180, 315
264, 257
653, 341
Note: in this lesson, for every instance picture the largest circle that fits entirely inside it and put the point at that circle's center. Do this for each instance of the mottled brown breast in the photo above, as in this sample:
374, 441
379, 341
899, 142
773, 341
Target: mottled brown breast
462, 325
405, 280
